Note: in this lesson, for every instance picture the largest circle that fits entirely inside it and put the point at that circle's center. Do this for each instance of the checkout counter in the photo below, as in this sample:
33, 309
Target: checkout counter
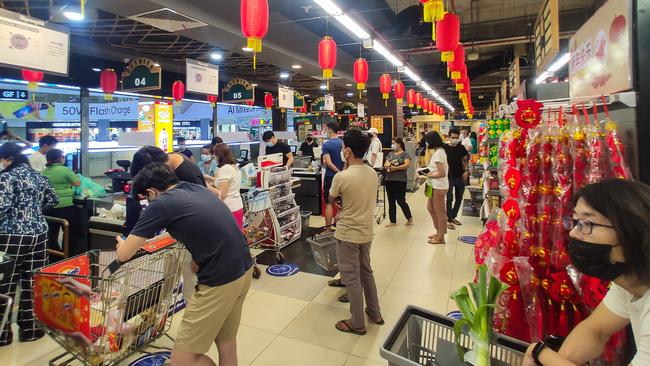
309, 195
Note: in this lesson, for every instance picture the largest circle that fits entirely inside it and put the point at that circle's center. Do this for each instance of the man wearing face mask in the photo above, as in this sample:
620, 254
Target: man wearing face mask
609, 240
456, 156
374, 150
274, 146
182, 148
224, 262
307, 147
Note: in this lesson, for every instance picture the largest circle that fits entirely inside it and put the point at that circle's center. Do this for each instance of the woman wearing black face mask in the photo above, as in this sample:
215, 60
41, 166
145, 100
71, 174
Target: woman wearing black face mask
610, 240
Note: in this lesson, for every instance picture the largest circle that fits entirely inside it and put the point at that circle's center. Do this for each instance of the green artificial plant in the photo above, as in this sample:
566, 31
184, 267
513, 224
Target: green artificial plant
477, 311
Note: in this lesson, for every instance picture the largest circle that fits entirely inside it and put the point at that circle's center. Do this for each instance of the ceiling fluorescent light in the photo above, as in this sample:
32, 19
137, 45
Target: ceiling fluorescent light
329, 6
352, 26
425, 86
384, 52
542, 77
560, 62
411, 74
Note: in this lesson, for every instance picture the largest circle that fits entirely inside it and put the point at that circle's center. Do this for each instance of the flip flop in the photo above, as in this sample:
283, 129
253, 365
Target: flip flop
345, 327
451, 226
335, 283
456, 222
433, 241
379, 322
343, 298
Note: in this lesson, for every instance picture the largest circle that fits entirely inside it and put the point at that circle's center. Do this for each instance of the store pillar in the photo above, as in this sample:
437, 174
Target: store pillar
279, 119
85, 132
387, 110
215, 123
102, 127
642, 58
205, 128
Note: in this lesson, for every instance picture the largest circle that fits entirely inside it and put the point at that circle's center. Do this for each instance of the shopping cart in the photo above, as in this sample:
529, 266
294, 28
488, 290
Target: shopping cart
102, 311
424, 338
259, 227
380, 211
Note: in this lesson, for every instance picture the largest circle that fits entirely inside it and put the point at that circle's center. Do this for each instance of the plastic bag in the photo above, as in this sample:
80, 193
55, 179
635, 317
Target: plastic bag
88, 188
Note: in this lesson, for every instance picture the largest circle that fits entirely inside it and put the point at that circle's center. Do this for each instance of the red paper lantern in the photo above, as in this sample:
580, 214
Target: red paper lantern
410, 97
254, 24
250, 103
385, 84
361, 73
108, 83
399, 91
268, 100
32, 78
432, 106
178, 91
213, 100
425, 104
327, 56
418, 100
448, 36
456, 65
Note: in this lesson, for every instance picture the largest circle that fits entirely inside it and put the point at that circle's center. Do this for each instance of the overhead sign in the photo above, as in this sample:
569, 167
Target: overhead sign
238, 91
141, 74
33, 44
285, 97
118, 111
163, 125
514, 77
329, 103
202, 77
319, 105
601, 55
298, 100
13, 94
347, 108
378, 123
547, 35
361, 110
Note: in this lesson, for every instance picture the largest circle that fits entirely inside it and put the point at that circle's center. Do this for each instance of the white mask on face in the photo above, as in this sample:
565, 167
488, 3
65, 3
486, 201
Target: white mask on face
206, 157
394, 146
343, 158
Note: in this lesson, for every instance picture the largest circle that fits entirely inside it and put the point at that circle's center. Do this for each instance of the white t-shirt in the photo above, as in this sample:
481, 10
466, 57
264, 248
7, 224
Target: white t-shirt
439, 156
374, 148
37, 161
623, 304
231, 174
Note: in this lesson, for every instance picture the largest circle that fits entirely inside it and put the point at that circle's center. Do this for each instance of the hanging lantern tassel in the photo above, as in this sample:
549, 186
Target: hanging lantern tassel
434, 11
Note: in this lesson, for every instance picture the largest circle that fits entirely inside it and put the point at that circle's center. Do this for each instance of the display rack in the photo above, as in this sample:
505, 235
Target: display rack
491, 137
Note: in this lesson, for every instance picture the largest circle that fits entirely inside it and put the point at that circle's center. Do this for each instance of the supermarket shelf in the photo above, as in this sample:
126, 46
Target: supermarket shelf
494, 192
288, 225
281, 199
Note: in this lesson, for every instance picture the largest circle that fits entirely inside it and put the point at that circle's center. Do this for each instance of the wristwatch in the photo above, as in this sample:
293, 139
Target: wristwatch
537, 350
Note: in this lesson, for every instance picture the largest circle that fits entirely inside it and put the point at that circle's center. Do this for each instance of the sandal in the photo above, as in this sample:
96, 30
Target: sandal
456, 222
335, 283
436, 241
345, 327
451, 226
343, 298
378, 322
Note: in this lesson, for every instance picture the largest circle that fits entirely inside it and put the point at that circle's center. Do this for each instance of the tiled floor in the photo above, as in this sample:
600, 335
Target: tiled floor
290, 321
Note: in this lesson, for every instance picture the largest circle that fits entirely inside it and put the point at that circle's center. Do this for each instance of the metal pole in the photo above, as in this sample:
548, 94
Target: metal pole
85, 132
215, 119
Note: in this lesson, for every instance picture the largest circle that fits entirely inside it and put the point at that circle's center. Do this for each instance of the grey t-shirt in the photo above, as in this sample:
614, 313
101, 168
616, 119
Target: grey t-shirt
204, 224
396, 160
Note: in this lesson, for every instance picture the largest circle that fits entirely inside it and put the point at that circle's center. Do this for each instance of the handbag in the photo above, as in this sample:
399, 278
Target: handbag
428, 190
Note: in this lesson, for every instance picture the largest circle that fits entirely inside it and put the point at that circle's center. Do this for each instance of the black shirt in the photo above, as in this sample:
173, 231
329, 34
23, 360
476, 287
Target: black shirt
455, 155
279, 147
308, 149
187, 171
187, 152
204, 224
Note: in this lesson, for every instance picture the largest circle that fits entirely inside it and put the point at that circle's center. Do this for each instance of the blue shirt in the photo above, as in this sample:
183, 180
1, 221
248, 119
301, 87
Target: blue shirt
212, 170
24, 195
333, 148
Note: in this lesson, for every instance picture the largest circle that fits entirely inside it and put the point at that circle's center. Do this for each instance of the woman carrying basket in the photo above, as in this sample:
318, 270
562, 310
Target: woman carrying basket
609, 240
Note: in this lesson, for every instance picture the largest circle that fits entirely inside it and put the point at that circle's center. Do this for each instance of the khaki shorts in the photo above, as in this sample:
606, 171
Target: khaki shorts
213, 314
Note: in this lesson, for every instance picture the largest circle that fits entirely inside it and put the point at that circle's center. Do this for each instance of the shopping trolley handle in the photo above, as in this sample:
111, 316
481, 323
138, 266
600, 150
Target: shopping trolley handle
117, 264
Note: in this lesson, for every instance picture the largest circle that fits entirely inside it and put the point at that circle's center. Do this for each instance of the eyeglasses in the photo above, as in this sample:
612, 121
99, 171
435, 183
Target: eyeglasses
584, 226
